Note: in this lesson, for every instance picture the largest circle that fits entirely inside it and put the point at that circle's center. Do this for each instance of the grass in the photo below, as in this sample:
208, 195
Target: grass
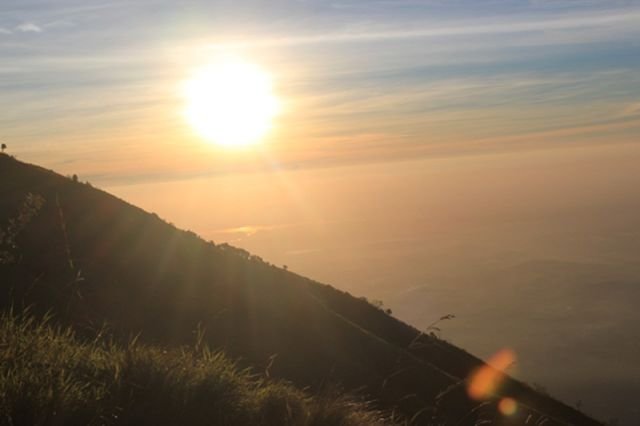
49, 377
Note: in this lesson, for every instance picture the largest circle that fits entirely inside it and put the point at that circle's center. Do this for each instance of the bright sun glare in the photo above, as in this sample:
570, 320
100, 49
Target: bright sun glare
231, 103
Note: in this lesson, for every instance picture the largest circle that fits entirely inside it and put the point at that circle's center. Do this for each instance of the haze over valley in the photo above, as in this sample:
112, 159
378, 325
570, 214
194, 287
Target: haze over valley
535, 251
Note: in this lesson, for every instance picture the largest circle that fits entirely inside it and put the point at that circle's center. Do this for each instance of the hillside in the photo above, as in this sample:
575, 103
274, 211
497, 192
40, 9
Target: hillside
93, 259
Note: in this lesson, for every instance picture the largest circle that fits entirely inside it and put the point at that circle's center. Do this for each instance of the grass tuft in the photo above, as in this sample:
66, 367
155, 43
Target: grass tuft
49, 377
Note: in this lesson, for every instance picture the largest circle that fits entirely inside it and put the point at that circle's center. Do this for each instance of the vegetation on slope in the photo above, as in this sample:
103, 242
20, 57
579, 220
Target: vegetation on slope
49, 377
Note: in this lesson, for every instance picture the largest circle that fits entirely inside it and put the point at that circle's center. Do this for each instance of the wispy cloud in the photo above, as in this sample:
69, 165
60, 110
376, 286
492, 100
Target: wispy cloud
632, 110
250, 230
61, 23
302, 252
29, 27
372, 79
617, 21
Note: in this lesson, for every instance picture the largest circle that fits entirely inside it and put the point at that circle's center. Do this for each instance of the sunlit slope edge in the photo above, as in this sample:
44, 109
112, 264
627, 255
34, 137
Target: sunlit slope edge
93, 258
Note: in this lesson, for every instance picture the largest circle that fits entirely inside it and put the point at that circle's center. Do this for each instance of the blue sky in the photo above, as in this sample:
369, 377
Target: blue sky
363, 80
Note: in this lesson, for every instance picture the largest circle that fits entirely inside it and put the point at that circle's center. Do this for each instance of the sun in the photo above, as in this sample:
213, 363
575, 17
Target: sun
231, 102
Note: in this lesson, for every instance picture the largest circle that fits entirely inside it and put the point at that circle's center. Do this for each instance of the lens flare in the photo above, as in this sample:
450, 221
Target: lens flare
508, 406
486, 380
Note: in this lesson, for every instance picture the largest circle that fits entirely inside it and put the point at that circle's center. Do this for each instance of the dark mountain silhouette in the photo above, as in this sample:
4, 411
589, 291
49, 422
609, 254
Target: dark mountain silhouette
93, 259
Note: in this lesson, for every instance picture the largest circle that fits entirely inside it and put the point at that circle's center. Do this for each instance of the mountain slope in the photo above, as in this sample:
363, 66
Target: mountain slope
95, 259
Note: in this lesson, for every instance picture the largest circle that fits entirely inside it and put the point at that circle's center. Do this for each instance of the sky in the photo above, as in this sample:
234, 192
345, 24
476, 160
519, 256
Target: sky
92, 87
445, 156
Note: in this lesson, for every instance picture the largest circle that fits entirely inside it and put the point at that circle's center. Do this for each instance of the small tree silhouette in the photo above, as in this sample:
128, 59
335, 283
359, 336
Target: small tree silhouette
4, 146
